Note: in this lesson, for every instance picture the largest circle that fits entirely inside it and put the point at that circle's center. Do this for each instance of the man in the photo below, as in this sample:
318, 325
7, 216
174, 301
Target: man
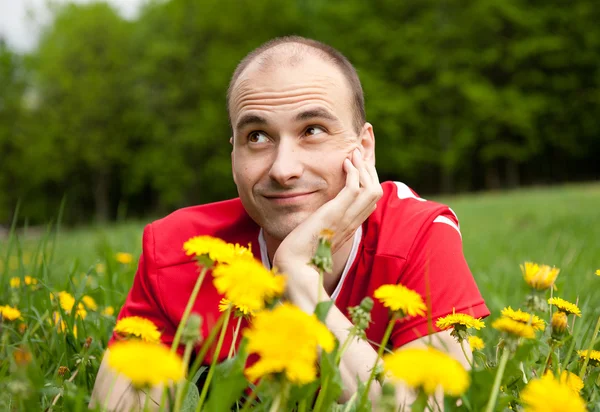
303, 160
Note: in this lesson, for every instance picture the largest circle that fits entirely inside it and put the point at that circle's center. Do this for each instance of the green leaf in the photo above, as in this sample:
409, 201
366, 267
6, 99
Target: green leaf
199, 373
229, 382
192, 396
322, 309
331, 380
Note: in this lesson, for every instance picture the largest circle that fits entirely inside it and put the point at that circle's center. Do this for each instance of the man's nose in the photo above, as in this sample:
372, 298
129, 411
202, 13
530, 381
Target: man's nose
287, 165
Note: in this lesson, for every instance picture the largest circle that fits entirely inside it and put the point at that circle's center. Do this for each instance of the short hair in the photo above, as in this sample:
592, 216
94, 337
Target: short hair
322, 50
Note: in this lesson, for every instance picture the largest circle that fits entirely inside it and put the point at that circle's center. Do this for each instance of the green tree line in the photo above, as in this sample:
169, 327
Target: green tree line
127, 117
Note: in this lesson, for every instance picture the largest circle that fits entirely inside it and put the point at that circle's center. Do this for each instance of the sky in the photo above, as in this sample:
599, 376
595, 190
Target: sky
22, 20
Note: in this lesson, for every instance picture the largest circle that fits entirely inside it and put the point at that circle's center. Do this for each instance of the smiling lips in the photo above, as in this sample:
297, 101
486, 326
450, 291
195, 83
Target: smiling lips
288, 198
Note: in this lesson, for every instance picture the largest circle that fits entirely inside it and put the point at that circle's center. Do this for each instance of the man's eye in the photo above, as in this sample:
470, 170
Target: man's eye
257, 137
313, 130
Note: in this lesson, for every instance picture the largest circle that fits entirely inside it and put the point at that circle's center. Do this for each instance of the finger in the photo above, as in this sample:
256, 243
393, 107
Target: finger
352, 186
361, 166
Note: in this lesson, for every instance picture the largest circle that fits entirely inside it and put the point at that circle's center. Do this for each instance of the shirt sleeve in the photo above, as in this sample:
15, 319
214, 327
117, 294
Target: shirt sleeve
145, 296
436, 269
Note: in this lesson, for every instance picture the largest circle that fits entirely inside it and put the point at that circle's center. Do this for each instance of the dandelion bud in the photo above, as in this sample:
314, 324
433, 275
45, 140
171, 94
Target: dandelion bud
559, 323
322, 258
22, 328
22, 356
361, 317
366, 304
191, 331
88, 342
62, 371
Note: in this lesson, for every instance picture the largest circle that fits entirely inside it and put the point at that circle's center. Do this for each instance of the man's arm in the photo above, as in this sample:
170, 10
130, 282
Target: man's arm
115, 393
360, 356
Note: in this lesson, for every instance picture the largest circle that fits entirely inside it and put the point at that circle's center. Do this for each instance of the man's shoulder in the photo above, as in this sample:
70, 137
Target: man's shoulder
228, 220
400, 218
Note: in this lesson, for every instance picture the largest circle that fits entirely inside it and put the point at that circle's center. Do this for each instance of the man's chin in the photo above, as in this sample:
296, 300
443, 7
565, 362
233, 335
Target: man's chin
280, 230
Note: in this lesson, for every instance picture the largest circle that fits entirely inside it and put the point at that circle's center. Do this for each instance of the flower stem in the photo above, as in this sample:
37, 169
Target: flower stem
386, 337
338, 356
420, 403
235, 335
188, 309
498, 380
465, 353
589, 349
546, 363
250, 399
183, 386
319, 290
146, 399
321, 397
206, 345
211, 371
280, 400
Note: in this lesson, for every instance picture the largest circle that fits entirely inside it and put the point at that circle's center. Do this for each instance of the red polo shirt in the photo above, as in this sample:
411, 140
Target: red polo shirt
407, 240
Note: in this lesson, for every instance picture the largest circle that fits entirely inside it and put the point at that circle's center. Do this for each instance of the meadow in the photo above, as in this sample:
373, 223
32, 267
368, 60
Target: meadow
557, 226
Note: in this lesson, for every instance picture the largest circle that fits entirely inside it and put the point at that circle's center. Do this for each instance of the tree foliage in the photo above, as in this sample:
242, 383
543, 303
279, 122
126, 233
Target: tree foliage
128, 117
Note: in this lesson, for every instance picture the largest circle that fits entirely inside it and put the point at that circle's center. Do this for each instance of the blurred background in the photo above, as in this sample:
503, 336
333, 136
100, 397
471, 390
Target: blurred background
118, 108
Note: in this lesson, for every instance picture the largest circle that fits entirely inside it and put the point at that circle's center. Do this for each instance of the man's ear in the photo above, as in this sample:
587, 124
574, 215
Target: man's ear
367, 143
232, 161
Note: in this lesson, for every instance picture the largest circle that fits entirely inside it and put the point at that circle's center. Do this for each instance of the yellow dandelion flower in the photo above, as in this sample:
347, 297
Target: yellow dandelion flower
61, 325
81, 312
10, 313
565, 306
401, 299
225, 304
476, 343
539, 277
146, 364
216, 249
89, 302
513, 327
573, 381
458, 320
597, 272
29, 281
427, 369
524, 317
124, 258
108, 311
65, 299
287, 341
100, 268
594, 356
550, 395
138, 327
559, 322
247, 284
15, 282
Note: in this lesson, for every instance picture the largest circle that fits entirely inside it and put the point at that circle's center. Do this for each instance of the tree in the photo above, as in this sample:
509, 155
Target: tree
83, 82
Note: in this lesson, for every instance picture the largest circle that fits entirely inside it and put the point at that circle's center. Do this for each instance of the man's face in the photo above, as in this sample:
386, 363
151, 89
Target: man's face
292, 130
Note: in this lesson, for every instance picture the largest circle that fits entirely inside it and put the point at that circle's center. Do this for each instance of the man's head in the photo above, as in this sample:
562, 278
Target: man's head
296, 109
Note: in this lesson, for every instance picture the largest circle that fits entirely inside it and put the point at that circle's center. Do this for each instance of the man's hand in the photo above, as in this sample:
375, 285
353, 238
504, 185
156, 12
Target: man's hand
343, 215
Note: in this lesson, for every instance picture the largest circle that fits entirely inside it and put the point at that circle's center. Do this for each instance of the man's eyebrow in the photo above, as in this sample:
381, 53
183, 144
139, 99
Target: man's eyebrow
316, 114
248, 119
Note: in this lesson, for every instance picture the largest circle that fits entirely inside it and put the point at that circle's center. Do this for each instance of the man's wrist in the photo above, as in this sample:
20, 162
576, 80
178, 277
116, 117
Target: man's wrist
304, 288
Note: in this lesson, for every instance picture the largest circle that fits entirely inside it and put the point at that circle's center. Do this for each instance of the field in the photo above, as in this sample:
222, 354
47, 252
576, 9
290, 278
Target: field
558, 226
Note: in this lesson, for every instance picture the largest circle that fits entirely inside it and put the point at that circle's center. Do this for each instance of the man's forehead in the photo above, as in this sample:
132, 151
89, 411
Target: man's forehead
273, 78
283, 67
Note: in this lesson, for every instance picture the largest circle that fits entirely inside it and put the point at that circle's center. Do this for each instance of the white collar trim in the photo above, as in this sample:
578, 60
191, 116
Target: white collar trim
264, 257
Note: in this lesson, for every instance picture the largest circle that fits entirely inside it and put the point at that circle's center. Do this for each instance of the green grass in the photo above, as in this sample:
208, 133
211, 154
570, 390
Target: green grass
559, 226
